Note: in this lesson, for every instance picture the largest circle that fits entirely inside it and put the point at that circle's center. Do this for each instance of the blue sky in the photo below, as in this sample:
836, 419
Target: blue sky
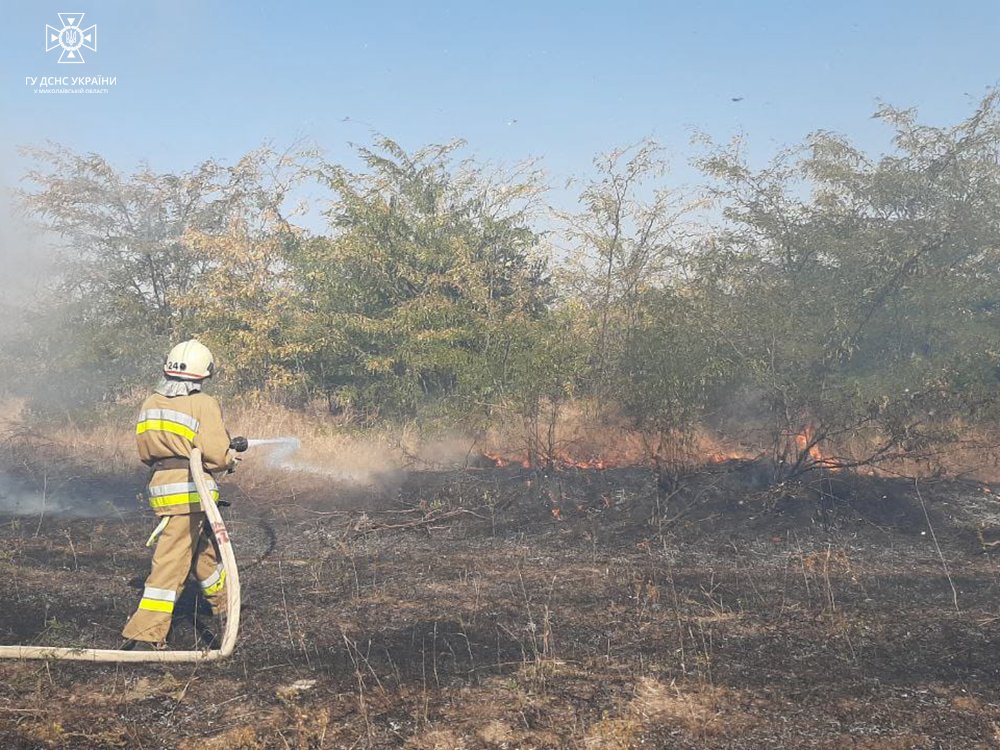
557, 80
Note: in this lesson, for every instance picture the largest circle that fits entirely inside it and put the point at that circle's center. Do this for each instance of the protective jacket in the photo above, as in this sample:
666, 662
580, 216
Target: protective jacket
167, 430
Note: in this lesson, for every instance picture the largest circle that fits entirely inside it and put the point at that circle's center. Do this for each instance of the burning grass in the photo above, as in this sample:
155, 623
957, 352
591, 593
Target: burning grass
580, 435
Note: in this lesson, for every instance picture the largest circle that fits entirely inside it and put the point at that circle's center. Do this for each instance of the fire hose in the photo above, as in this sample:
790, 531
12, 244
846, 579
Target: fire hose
232, 616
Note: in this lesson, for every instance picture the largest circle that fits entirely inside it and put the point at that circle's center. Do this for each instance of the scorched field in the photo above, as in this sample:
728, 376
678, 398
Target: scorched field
503, 608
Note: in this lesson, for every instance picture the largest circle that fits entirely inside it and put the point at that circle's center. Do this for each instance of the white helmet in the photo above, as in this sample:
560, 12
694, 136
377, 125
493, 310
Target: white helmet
189, 360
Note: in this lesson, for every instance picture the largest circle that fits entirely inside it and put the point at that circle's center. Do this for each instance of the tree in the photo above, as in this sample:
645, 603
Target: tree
860, 295
622, 246
245, 302
671, 373
429, 268
123, 264
134, 261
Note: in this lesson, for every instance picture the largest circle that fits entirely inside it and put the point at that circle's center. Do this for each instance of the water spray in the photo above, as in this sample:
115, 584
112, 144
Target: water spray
281, 450
251, 442
280, 456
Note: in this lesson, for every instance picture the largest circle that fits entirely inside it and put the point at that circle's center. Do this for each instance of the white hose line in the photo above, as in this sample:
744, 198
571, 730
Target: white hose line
232, 616
233, 600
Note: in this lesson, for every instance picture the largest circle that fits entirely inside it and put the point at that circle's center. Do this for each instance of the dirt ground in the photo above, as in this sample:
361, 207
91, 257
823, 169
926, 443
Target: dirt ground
499, 608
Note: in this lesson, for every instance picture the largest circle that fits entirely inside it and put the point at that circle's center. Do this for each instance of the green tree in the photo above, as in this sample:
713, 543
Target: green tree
245, 303
122, 265
671, 374
860, 295
430, 269
128, 272
628, 239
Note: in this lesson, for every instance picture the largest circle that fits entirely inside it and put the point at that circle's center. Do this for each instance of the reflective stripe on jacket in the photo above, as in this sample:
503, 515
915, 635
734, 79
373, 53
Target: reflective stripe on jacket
164, 496
169, 427
168, 420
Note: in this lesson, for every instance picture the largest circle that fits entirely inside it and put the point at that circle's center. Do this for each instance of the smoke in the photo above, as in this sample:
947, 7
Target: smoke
19, 498
26, 257
375, 461
26, 254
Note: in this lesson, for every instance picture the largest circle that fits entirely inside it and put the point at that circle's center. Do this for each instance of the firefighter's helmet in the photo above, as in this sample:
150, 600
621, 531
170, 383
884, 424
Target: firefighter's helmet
189, 360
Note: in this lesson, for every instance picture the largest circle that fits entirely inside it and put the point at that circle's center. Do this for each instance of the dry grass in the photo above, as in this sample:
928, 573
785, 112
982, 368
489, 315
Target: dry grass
700, 710
718, 641
329, 451
497, 733
237, 738
579, 432
437, 739
585, 432
106, 445
970, 451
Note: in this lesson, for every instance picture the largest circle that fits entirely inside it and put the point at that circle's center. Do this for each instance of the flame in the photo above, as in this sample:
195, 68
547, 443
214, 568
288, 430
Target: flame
590, 463
502, 462
707, 449
721, 454
802, 443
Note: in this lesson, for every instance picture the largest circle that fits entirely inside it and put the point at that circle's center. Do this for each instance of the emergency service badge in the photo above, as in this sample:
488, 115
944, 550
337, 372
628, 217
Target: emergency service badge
72, 38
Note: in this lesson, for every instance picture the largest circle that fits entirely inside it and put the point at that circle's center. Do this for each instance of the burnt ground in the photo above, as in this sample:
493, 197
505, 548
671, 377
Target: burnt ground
498, 609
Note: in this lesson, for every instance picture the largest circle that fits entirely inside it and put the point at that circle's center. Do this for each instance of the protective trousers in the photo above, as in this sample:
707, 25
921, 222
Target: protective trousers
185, 546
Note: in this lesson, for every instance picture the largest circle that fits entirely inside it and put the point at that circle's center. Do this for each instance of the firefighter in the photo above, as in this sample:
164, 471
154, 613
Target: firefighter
177, 417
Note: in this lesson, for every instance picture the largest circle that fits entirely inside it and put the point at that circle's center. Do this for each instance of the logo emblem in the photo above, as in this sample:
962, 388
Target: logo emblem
72, 38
